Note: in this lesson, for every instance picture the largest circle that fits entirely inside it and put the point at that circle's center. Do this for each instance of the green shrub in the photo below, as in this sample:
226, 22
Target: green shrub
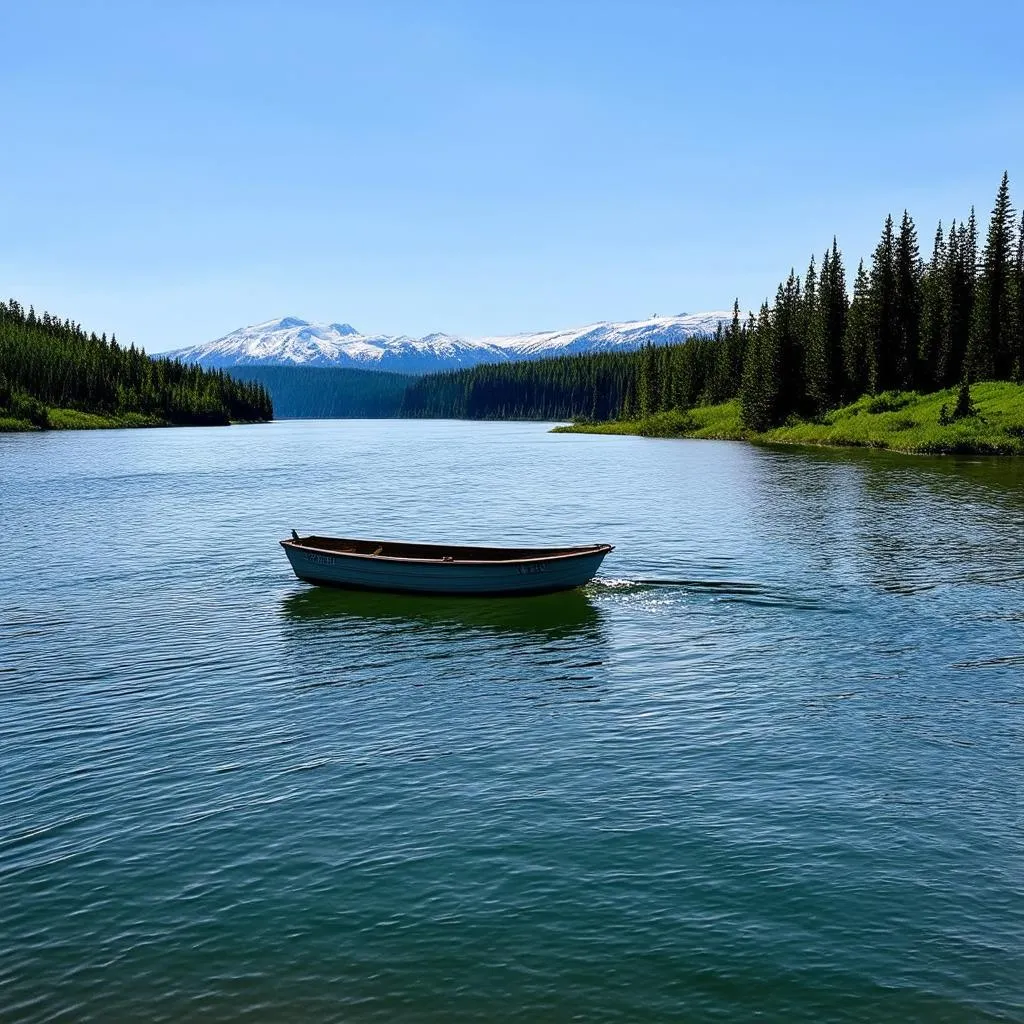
25, 407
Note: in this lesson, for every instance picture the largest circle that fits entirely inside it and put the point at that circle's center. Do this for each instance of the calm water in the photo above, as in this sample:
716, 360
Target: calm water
771, 765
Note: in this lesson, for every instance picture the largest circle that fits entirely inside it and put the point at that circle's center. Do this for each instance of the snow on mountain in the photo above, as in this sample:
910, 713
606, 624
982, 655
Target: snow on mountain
291, 341
609, 337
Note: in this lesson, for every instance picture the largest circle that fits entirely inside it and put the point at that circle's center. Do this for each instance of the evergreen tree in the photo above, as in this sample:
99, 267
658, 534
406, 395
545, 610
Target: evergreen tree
629, 404
963, 294
857, 338
951, 349
934, 315
993, 333
825, 376
816, 363
761, 389
647, 385
728, 366
789, 323
1018, 337
736, 342
908, 303
836, 305
882, 317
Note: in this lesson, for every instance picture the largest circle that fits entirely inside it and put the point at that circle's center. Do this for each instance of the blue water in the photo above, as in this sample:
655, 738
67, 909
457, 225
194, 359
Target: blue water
769, 766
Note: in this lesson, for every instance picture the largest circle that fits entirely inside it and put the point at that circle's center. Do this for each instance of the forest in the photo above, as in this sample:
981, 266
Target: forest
327, 392
51, 364
910, 325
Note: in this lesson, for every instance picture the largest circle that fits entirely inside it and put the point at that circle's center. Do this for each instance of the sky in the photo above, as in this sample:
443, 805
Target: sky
173, 171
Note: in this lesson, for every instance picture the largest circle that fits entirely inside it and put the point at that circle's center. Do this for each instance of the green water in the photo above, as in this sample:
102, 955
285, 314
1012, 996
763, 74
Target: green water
769, 766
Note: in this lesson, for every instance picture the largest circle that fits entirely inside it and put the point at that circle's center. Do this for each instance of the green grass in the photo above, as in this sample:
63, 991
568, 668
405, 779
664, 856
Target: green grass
897, 421
74, 419
708, 421
10, 425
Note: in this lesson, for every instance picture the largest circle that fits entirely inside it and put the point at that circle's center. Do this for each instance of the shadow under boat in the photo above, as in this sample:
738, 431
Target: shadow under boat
558, 614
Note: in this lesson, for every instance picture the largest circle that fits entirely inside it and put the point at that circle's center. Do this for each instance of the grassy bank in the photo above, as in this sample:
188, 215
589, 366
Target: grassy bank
73, 419
898, 421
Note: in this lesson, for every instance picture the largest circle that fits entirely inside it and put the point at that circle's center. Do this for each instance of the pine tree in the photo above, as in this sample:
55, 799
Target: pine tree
805, 328
950, 359
857, 338
837, 308
882, 339
1018, 366
934, 315
647, 383
964, 296
761, 388
907, 313
629, 404
992, 334
825, 374
789, 320
735, 345
816, 362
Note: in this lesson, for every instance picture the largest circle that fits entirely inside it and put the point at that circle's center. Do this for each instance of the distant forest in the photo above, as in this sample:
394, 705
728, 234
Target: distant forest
322, 392
48, 362
910, 325
596, 386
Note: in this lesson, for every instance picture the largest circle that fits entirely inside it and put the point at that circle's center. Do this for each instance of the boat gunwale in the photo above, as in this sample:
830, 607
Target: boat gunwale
581, 552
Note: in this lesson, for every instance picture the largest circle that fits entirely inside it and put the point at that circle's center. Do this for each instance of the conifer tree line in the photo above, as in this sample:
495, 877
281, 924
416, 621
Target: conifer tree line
597, 386
45, 361
910, 324
328, 392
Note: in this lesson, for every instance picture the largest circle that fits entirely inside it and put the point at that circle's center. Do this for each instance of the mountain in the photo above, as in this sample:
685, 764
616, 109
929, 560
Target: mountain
294, 342
609, 337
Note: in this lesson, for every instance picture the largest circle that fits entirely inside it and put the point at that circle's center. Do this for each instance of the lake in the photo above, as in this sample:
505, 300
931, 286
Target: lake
768, 765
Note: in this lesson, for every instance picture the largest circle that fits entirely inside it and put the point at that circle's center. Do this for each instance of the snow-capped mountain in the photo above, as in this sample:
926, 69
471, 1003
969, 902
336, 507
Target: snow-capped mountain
609, 337
291, 341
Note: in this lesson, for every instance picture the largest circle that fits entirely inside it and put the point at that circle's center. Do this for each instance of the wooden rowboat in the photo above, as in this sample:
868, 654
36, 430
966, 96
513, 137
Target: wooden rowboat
440, 568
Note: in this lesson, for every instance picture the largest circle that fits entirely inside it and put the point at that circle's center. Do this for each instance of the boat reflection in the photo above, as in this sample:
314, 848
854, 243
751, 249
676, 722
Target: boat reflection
553, 615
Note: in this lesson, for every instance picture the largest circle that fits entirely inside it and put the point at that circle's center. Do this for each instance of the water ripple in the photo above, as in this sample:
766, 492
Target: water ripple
768, 765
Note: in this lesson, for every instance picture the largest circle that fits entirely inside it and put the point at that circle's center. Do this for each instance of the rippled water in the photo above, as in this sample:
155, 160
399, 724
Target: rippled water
770, 763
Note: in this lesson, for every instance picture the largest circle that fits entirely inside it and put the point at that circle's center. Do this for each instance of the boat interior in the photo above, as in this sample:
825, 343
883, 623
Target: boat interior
439, 552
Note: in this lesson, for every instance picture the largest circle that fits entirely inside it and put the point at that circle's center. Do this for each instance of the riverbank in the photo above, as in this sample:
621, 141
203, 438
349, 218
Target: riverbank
73, 419
895, 421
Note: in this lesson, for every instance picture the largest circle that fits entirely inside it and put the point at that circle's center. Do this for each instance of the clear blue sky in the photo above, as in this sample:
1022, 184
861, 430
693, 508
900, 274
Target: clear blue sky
172, 171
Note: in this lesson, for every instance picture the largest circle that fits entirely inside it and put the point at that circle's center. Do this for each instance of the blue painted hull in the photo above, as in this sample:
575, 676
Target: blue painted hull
434, 576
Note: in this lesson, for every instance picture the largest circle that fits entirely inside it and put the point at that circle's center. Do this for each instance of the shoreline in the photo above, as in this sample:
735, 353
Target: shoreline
904, 422
74, 419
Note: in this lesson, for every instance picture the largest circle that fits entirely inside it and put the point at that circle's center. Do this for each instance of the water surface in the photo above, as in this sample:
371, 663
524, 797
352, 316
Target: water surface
770, 763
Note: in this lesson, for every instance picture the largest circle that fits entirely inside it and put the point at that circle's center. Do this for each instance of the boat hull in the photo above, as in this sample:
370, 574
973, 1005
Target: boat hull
529, 576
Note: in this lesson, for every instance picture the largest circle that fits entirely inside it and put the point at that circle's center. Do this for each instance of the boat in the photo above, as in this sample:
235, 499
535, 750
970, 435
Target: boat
403, 567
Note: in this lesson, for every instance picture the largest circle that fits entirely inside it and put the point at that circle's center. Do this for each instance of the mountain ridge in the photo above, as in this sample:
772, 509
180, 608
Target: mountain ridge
292, 341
